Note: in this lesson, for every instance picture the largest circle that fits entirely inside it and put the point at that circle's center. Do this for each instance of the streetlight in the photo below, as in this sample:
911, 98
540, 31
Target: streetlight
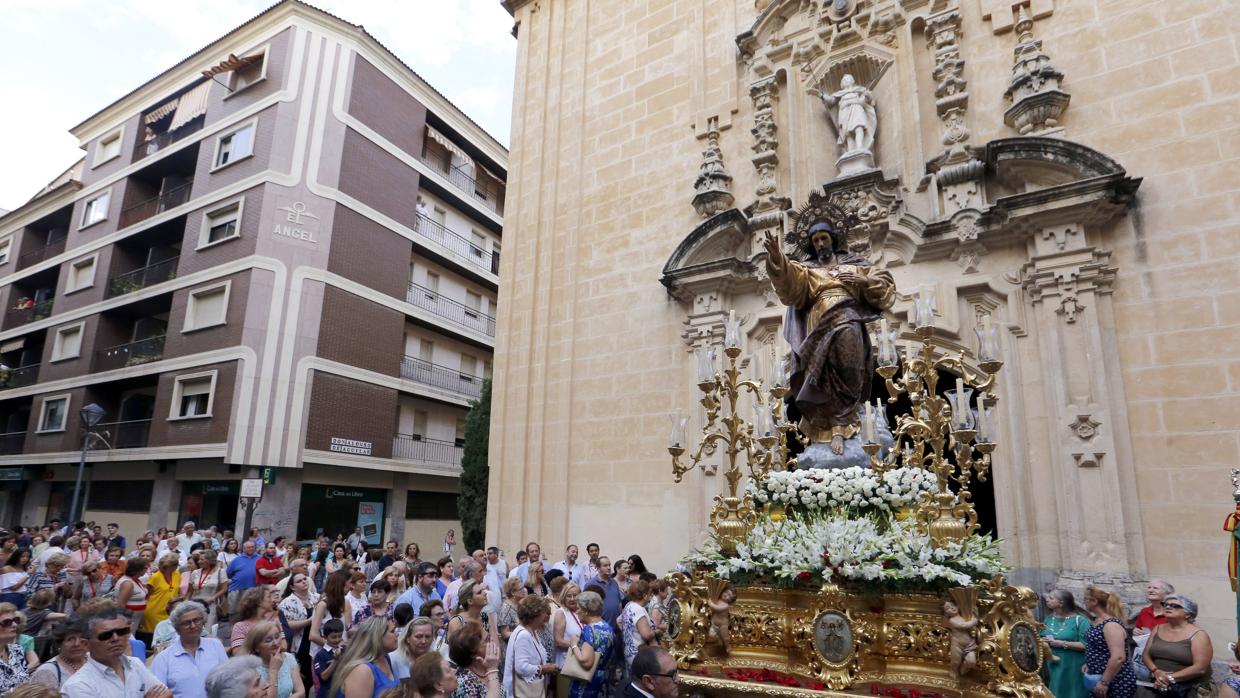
91, 415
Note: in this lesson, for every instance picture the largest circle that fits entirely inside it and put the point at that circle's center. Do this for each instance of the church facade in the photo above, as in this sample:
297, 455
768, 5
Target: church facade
1064, 171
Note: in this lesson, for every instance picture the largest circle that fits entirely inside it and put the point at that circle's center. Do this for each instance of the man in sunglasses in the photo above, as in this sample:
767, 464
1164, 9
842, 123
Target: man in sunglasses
109, 671
654, 675
423, 588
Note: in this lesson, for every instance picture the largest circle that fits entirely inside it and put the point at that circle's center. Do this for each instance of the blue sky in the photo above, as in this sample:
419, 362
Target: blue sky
67, 59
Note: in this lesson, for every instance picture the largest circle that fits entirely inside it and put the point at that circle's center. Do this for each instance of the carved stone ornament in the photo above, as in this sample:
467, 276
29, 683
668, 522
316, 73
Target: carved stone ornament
712, 188
950, 88
1085, 427
1037, 101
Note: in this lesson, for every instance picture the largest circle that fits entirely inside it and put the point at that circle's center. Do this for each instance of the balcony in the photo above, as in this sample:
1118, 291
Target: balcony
147, 148
139, 279
40, 253
136, 353
19, 377
458, 313
156, 204
489, 191
27, 311
133, 433
414, 447
464, 248
12, 443
427, 373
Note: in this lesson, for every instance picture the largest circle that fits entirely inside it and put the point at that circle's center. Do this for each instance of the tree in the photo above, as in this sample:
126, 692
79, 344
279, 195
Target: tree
475, 471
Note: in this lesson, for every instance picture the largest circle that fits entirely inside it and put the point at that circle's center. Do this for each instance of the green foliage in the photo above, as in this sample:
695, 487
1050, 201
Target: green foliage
475, 471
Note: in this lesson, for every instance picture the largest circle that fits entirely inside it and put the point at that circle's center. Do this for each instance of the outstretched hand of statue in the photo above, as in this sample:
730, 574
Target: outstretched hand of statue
773, 250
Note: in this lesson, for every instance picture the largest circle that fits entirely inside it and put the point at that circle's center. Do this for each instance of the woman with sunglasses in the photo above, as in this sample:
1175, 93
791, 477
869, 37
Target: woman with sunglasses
1178, 652
15, 663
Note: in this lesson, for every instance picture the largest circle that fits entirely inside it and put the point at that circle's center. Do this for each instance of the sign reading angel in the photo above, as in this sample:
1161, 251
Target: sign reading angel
831, 295
852, 114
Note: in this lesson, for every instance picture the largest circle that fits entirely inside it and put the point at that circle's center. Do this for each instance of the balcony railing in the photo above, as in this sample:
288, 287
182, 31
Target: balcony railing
439, 233
41, 253
136, 353
26, 312
414, 447
146, 148
156, 204
447, 308
19, 377
12, 443
133, 433
138, 279
419, 371
490, 195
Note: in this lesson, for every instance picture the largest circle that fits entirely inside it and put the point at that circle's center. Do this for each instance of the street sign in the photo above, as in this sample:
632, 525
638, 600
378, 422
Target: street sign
269, 476
252, 488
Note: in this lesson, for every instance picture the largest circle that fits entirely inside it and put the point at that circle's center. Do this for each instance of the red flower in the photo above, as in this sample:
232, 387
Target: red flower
804, 576
873, 689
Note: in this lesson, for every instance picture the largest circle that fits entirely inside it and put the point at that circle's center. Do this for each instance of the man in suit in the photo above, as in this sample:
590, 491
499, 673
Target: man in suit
653, 675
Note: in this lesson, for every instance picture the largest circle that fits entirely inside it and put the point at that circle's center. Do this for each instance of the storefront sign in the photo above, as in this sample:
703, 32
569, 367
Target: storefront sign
217, 489
252, 488
361, 448
333, 492
10, 474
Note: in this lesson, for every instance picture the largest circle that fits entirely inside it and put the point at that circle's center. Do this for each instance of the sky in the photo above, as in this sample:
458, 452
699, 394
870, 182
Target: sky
64, 60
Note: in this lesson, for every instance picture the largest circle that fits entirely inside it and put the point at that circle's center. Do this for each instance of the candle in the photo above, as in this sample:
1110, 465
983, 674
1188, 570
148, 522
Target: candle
869, 423
731, 331
960, 389
983, 423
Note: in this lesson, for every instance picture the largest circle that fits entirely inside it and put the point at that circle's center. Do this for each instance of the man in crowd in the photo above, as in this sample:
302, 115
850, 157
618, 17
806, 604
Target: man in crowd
497, 572
269, 568
108, 670
242, 572
115, 539
611, 591
496, 564
189, 535
391, 553
355, 542
653, 675
296, 566
592, 552
54, 546
172, 545
423, 588
533, 554
575, 571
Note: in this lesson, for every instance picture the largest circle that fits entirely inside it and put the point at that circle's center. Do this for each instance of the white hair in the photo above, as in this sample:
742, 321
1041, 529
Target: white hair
232, 679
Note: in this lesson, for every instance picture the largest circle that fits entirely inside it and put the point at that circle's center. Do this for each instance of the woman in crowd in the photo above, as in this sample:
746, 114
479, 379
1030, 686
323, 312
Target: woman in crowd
514, 592
131, 590
1065, 629
356, 585
70, 637
622, 577
566, 624
164, 587
1178, 652
473, 599
635, 627
297, 609
476, 659
527, 659
1106, 647
278, 668
322, 567
415, 641
434, 609
636, 568
413, 556
228, 551
397, 578
1152, 616
114, 563
331, 604
432, 677
236, 678
256, 605
536, 581
80, 551
376, 603
209, 584
364, 670
190, 657
13, 576
15, 663
339, 556
596, 647
95, 582
656, 607
53, 577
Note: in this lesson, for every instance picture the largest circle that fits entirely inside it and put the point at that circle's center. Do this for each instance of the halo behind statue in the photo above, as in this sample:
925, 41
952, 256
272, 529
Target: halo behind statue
819, 210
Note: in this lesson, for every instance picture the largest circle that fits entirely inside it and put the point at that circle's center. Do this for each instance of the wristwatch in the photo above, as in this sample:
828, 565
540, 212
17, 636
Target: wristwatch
1170, 679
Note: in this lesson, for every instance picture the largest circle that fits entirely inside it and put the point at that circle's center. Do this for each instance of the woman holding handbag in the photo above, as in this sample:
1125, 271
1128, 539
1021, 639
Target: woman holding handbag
1178, 653
586, 663
527, 666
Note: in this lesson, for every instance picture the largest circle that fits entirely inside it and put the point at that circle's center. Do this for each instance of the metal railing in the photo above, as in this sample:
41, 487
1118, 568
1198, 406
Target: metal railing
136, 353
134, 433
447, 308
438, 232
40, 253
420, 371
156, 204
12, 443
138, 279
415, 447
19, 377
28, 312
146, 148
489, 194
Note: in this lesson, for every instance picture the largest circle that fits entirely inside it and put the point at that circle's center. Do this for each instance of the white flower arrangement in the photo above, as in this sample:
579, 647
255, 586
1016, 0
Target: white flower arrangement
857, 490
873, 548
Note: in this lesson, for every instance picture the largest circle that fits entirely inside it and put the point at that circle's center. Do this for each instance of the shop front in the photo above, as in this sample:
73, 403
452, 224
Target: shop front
332, 509
210, 503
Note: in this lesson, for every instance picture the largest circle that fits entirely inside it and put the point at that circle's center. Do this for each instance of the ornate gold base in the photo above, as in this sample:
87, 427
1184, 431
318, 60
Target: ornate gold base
845, 639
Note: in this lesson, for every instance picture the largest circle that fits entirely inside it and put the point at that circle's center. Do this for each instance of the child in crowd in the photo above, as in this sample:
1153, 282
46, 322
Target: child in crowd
325, 660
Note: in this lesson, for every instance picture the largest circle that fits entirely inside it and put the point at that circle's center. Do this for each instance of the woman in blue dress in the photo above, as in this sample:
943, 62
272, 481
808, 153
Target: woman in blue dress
596, 645
1106, 647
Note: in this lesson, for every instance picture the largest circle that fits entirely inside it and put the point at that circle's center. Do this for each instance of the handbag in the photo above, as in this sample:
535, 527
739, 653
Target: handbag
1091, 680
572, 666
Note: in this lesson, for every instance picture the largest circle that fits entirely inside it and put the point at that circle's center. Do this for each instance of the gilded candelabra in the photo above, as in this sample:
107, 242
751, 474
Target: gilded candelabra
763, 443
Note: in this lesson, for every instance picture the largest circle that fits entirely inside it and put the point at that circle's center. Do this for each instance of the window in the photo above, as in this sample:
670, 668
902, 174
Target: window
5, 248
441, 217
474, 301
420, 418
193, 395
96, 209
109, 147
477, 244
254, 72
54, 412
431, 506
460, 433
81, 274
426, 351
68, 342
120, 495
486, 370
207, 307
432, 282
469, 368
222, 224
234, 146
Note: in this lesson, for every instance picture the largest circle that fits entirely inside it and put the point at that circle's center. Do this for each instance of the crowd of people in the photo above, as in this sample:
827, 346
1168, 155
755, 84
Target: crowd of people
196, 614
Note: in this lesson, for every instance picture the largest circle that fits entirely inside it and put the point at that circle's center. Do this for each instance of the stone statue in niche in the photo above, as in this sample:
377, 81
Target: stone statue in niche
852, 114
831, 295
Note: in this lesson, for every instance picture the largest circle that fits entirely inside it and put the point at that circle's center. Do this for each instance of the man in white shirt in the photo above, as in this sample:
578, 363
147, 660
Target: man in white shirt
172, 545
55, 545
109, 672
591, 574
497, 572
189, 536
534, 552
575, 571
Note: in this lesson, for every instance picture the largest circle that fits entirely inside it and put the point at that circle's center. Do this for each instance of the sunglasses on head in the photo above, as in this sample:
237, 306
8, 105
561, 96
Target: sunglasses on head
109, 634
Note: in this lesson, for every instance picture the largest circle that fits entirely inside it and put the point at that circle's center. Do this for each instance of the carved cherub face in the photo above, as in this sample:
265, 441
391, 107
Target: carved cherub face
950, 609
728, 595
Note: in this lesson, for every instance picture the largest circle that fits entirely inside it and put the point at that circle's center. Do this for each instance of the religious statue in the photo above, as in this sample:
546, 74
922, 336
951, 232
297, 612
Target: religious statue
1232, 525
852, 113
722, 597
830, 298
962, 655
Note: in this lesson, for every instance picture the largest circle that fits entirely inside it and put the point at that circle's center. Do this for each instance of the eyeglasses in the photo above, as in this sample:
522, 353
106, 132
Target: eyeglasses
674, 673
109, 634
198, 620
8, 622
1174, 606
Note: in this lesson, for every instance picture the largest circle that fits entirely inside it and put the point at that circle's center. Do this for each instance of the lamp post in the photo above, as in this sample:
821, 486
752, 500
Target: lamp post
91, 415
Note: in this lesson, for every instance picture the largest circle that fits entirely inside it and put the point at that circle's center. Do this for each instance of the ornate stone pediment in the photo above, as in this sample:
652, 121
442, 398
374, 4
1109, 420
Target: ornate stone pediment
716, 255
803, 32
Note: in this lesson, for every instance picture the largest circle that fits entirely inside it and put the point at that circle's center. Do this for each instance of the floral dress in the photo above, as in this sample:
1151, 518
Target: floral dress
628, 620
599, 636
14, 672
469, 685
1097, 654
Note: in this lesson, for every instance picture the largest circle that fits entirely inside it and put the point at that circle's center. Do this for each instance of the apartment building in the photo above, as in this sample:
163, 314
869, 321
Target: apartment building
282, 252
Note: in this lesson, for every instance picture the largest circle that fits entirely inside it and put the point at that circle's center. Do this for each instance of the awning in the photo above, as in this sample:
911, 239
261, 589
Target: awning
160, 112
192, 105
230, 64
459, 157
12, 345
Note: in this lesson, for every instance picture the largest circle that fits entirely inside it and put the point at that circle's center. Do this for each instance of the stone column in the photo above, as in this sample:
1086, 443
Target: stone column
397, 498
34, 502
165, 501
278, 510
